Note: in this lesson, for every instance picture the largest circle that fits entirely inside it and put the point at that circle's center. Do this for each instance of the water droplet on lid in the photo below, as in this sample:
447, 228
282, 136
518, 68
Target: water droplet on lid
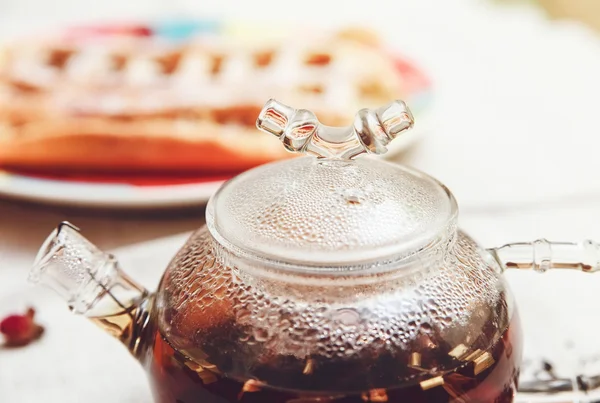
346, 316
261, 334
353, 199
242, 315
284, 325
220, 292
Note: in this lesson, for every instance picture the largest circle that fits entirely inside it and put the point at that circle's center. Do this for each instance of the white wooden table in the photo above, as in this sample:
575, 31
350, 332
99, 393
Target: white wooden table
515, 136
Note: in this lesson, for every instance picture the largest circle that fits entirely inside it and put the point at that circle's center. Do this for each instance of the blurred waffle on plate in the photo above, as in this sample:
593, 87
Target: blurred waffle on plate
177, 98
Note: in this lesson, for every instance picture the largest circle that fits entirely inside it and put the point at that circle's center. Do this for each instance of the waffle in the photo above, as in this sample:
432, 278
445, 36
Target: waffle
142, 104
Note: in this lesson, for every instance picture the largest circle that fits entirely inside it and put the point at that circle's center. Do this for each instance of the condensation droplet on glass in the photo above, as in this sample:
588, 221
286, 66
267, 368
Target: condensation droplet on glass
261, 334
346, 316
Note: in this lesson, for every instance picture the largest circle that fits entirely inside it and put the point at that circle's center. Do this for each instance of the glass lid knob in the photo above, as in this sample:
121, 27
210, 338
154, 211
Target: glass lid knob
301, 132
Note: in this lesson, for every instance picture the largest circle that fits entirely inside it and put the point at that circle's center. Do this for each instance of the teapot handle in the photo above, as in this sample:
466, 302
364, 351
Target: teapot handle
543, 255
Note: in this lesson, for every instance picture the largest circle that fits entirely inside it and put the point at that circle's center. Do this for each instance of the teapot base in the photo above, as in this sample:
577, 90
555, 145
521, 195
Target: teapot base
176, 379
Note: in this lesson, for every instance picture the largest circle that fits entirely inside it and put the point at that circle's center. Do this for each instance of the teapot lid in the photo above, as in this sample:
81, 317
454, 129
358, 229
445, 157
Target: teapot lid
332, 211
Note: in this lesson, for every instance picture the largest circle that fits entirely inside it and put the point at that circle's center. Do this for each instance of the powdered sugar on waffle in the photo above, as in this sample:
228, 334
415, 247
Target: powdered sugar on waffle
124, 76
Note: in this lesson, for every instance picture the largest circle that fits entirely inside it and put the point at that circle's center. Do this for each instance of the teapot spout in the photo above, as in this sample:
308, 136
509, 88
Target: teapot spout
93, 285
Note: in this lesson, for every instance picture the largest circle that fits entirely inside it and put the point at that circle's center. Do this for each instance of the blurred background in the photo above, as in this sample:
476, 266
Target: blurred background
504, 92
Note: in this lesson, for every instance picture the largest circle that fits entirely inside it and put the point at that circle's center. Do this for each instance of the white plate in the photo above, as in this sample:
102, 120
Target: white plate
104, 195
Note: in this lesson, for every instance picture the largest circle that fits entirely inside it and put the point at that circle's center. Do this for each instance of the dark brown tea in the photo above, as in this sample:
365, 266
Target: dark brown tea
487, 377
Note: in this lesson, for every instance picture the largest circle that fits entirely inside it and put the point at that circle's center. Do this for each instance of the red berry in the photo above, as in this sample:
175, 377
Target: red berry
19, 330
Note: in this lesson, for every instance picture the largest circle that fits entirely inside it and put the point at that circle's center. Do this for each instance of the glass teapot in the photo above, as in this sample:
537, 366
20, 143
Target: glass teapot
324, 278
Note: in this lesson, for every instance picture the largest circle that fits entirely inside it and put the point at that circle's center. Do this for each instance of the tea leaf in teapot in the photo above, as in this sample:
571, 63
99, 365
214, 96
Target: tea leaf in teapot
459, 352
375, 395
455, 384
308, 368
251, 385
483, 362
204, 373
432, 383
415, 360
